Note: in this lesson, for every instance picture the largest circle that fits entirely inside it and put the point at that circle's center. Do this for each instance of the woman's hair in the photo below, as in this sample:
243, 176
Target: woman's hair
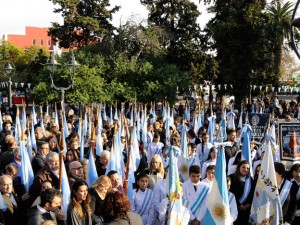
161, 166
49, 222
77, 206
175, 141
117, 206
210, 151
237, 173
103, 181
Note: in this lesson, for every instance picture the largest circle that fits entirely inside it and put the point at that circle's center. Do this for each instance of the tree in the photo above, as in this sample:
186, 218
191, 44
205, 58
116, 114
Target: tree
178, 18
85, 22
281, 14
243, 44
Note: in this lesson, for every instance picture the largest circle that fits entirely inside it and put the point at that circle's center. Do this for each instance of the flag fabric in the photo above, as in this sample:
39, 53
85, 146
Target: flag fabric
266, 205
173, 181
111, 116
92, 172
24, 121
56, 119
26, 169
65, 190
246, 151
179, 213
211, 128
33, 139
231, 123
3, 205
34, 115
99, 144
218, 211
29, 145
104, 113
240, 125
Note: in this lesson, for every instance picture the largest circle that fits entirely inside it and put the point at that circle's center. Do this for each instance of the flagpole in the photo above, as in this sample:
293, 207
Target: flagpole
128, 161
62, 147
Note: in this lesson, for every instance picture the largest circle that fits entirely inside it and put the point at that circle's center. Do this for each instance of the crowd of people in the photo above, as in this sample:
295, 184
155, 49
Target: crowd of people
105, 201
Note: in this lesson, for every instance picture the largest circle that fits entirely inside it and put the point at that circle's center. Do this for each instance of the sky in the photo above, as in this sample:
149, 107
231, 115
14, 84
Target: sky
16, 14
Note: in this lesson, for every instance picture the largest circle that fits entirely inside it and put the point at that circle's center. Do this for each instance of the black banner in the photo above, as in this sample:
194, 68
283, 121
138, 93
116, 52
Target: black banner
258, 122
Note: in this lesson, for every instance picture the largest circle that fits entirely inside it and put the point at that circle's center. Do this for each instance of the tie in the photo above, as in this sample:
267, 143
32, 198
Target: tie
195, 187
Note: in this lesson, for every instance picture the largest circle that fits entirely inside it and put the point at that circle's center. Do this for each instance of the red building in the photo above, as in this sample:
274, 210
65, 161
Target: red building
34, 36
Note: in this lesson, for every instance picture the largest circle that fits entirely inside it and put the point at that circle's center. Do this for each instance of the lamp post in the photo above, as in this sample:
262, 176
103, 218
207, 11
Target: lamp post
9, 70
52, 65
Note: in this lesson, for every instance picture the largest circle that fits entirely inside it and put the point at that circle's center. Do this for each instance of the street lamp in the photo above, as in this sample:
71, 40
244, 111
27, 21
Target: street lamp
9, 70
52, 65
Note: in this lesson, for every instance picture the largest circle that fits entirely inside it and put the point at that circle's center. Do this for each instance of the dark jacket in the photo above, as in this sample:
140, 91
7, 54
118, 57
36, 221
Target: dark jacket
37, 217
237, 188
6, 158
37, 163
45, 174
12, 215
290, 205
97, 205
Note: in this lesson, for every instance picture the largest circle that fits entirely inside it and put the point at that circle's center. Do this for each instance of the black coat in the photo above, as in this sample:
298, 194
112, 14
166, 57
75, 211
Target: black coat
237, 188
289, 207
37, 163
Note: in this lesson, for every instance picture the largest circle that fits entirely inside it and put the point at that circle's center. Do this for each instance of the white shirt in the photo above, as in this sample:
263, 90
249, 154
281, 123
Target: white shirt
203, 153
138, 202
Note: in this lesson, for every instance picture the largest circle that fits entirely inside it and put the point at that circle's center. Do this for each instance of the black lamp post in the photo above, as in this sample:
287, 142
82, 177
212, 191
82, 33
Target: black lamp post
9, 70
52, 66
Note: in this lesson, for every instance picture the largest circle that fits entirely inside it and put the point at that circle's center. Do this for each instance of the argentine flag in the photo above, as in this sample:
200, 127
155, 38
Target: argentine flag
266, 204
217, 211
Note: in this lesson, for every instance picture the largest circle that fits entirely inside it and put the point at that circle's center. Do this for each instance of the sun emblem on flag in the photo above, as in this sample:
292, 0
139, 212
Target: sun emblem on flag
184, 168
219, 211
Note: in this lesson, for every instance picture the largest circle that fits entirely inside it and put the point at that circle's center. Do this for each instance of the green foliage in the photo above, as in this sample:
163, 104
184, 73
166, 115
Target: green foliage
85, 22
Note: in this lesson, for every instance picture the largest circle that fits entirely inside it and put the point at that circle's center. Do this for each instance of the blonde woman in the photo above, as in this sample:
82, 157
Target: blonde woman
155, 171
98, 192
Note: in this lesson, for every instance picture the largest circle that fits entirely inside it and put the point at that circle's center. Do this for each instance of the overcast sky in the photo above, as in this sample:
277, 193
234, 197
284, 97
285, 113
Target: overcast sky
16, 14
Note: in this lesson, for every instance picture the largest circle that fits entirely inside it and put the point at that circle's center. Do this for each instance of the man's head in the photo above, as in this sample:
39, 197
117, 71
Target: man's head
76, 169
231, 135
51, 200
195, 174
43, 148
6, 125
6, 184
104, 157
52, 161
114, 178
17, 153
39, 133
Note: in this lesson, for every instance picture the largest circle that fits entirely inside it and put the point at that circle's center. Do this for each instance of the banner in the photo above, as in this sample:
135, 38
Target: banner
259, 124
289, 140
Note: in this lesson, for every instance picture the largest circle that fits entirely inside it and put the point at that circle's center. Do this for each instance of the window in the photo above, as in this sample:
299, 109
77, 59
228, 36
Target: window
49, 42
33, 42
42, 42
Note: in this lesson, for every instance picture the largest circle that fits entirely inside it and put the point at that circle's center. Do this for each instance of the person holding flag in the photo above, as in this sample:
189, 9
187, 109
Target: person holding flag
242, 187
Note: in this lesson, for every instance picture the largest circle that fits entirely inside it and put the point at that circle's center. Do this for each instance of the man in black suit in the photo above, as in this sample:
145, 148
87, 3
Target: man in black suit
11, 216
39, 161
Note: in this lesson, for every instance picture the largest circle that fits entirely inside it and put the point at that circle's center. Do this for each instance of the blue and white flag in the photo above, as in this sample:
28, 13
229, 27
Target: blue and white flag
33, 139
218, 211
65, 190
266, 205
92, 172
246, 151
3, 205
211, 128
26, 169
